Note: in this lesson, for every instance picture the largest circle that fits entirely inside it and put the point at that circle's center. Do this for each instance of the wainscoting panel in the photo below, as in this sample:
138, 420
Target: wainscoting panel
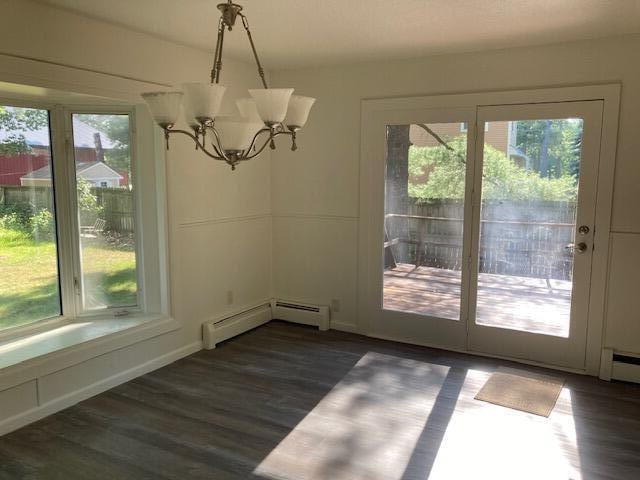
315, 261
623, 301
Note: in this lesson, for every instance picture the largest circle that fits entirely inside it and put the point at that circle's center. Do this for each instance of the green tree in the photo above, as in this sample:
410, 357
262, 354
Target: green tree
87, 202
15, 122
439, 173
551, 145
443, 168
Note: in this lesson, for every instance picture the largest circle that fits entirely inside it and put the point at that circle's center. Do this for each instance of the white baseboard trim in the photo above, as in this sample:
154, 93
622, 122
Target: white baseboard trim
344, 327
24, 418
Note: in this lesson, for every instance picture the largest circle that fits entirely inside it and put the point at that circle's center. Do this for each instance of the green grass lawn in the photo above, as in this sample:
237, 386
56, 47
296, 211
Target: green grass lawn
28, 277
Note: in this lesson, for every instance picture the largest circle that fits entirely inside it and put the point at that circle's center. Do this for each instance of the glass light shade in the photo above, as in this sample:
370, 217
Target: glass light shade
298, 111
202, 100
248, 109
164, 106
272, 103
236, 134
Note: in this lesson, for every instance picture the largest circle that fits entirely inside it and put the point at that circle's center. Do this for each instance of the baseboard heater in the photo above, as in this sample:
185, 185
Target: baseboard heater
316, 315
216, 331
619, 366
625, 367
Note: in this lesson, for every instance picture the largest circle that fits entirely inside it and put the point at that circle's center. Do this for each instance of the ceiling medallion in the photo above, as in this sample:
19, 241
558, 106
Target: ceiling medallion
268, 113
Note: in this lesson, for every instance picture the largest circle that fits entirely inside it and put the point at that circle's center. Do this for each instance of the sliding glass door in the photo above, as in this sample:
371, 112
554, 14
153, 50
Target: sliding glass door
480, 227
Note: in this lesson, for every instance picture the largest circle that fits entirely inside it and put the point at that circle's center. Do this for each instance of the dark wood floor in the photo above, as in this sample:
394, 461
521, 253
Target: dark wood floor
289, 402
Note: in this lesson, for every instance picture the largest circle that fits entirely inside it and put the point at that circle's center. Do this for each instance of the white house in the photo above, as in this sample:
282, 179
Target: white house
99, 174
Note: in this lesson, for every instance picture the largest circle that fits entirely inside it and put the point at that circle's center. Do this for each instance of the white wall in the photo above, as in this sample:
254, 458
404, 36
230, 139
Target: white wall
315, 190
219, 221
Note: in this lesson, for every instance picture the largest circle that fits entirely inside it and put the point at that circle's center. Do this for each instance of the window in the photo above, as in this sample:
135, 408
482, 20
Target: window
67, 215
105, 215
29, 286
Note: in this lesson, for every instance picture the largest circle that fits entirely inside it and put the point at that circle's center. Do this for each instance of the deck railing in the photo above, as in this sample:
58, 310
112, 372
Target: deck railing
513, 240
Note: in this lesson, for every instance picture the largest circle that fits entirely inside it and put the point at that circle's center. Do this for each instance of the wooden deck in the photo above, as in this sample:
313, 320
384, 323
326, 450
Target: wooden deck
518, 303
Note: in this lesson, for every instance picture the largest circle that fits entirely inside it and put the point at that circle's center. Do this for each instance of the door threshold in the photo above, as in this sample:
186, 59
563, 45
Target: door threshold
523, 361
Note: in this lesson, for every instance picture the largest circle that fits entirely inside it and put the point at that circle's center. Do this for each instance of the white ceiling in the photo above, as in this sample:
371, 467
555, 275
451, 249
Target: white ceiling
292, 33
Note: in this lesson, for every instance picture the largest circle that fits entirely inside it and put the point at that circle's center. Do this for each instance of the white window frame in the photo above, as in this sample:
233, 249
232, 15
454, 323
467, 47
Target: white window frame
150, 223
68, 171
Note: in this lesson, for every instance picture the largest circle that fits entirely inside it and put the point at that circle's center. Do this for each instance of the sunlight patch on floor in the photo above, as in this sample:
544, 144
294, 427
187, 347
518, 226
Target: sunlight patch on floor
392, 418
501, 443
368, 423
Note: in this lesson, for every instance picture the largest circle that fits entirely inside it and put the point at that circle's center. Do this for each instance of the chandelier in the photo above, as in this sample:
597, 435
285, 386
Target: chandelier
268, 113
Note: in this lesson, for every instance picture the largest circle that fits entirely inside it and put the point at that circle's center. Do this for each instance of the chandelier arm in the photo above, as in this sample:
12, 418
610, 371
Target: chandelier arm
266, 142
245, 24
218, 152
257, 152
255, 137
220, 148
169, 131
214, 156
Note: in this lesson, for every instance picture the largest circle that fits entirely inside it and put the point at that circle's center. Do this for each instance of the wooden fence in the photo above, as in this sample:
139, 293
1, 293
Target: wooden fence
517, 237
116, 203
35, 198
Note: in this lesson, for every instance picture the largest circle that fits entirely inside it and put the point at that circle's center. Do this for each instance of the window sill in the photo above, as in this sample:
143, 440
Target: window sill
23, 359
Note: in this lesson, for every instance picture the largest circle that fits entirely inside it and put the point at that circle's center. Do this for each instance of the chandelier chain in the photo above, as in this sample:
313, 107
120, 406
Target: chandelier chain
217, 61
245, 24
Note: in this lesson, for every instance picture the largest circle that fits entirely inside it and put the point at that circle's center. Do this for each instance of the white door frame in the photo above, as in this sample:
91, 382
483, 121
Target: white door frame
370, 199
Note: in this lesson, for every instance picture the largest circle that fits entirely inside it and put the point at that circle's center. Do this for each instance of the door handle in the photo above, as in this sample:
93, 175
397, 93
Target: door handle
577, 247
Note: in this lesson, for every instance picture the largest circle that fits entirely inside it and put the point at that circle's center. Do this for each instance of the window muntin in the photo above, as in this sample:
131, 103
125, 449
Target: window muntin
29, 278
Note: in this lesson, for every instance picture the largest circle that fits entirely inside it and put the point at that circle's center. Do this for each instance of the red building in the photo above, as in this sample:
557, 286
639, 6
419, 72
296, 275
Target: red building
90, 147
